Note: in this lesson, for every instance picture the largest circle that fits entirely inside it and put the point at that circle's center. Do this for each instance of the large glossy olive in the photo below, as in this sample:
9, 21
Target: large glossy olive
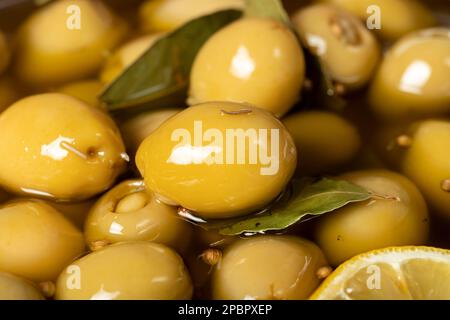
325, 140
268, 267
126, 271
15, 288
66, 41
396, 17
166, 15
36, 241
349, 52
56, 146
413, 80
426, 162
128, 212
397, 215
253, 60
218, 159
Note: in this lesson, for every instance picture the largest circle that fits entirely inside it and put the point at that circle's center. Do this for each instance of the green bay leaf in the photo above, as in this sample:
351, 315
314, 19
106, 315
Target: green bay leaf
308, 199
267, 9
163, 70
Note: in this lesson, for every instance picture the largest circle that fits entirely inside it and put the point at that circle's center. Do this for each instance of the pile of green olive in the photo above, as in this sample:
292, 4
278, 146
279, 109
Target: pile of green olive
95, 205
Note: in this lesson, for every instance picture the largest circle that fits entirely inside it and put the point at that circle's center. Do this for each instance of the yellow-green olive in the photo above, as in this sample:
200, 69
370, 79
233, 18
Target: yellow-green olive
15, 288
66, 41
126, 271
348, 50
4, 53
413, 80
9, 92
87, 91
124, 56
218, 159
253, 60
396, 215
36, 241
427, 163
325, 140
128, 212
56, 146
76, 212
166, 15
268, 267
136, 129
395, 17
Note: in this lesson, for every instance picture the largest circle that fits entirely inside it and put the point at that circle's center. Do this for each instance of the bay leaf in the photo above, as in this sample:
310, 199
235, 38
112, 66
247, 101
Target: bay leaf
163, 70
308, 199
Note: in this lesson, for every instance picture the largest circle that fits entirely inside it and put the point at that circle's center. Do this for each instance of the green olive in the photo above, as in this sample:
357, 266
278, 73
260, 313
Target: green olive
325, 140
4, 53
348, 50
9, 92
166, 15
397, 215
426, 162
218, 159
268, 267
66, 41
128, 212
56, 146
15, 288
36, 241
396, 17
87, 91
413, 80
124, 56
253, 60
126, 271
136, 129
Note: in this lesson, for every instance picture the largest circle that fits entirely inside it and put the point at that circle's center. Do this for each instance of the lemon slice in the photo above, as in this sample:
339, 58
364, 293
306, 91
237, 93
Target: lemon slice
417, 273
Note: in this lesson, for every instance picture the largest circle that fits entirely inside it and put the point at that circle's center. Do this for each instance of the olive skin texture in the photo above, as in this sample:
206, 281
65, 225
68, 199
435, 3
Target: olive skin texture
167, 15
349, 51
426, 162
54, 47
36, 241
125, 56
268, 267
412, 81
88, 91
126, 271
136, 129
253, 60
55, 146
128, 212
211, 159
325, 140
397, 17
4, 53
15, 288
396, 216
